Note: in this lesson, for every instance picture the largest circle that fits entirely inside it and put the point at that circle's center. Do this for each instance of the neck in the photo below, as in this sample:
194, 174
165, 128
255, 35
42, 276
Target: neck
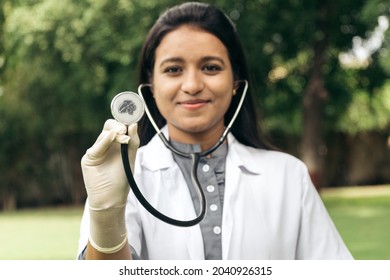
205, 140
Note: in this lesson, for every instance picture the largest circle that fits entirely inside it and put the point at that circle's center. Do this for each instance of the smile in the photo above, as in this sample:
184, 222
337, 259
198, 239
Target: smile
193, 104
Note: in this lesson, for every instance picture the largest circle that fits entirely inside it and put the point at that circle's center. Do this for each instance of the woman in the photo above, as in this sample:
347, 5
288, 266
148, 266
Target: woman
261, 203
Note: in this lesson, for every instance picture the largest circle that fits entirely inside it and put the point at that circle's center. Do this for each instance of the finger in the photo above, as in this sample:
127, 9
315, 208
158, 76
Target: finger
101, 145
134, 139
122, 139
112, 124
120, 131
133, 144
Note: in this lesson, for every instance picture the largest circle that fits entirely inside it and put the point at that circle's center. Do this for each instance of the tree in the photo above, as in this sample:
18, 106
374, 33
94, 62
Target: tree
65, 60
294, 51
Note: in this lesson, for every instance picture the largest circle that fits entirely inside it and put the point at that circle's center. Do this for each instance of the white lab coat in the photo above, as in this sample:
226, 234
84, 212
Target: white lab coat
271, 209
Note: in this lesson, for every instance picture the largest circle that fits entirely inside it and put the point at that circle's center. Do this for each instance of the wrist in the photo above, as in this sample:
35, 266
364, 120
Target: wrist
108, 232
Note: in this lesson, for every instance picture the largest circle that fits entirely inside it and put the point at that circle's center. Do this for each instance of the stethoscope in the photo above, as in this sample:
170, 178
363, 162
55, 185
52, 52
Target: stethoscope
128, 108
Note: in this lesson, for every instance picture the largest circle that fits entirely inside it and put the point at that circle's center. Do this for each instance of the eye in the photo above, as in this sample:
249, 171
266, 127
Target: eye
212, 68
173, 70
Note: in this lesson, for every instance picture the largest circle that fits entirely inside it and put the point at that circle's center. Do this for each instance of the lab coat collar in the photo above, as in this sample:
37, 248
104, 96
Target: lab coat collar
157, 156
243, 157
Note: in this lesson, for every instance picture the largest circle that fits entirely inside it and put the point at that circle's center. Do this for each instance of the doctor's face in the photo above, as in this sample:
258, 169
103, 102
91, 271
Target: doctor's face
193, 85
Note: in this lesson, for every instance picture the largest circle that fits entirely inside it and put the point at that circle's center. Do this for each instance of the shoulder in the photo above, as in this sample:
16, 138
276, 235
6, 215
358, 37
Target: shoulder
281, 158
263, 159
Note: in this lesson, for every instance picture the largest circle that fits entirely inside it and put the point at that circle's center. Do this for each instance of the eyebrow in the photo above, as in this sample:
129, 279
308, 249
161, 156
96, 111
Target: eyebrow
171, 60
181, 60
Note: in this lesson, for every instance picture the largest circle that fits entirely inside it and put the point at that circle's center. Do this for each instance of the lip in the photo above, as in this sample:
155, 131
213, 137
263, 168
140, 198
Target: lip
193, 104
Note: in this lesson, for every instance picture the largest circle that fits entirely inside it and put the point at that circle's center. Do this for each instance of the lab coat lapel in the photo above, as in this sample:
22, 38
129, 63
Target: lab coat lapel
158, 157
195, 246
239, 158
232, 178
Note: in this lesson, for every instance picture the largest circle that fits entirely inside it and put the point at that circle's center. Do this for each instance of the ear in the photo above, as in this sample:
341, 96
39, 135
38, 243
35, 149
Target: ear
236, 84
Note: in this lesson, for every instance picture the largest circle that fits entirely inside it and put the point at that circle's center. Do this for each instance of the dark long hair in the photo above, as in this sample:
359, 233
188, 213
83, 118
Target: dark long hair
212, 20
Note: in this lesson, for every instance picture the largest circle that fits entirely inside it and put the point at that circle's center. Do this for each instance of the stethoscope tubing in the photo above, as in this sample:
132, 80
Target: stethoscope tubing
194, 159
138, 194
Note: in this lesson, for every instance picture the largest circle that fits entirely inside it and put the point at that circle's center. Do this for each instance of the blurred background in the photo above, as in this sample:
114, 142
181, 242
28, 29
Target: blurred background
321, 72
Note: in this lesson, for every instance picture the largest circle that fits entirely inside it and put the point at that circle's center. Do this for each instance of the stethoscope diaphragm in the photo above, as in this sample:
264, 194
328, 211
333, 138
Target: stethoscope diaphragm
127, 107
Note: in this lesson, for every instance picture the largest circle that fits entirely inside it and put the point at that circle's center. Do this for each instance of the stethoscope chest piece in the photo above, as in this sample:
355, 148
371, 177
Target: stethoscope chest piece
127, 107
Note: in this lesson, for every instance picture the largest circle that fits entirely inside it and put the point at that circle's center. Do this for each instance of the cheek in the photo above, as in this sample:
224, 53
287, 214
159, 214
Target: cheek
225, 101
163, 103
226, 96
159, 101
226, 104
159, 93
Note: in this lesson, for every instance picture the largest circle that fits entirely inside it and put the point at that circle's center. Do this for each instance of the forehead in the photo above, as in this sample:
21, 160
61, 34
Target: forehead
190, 42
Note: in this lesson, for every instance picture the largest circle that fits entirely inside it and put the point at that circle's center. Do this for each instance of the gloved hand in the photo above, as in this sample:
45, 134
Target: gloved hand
107, 186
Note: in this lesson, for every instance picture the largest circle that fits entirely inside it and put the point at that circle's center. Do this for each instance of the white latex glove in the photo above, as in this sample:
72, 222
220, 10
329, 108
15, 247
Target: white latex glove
107, 186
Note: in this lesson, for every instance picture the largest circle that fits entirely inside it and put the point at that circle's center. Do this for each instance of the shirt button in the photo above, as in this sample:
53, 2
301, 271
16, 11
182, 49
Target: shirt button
213, 207
217, 230
206, 168
210, 188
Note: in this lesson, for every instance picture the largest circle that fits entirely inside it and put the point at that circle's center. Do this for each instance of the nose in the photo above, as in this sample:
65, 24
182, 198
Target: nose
192, 82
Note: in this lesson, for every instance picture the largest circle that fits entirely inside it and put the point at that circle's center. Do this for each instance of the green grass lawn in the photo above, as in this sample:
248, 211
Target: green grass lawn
40, 234
362, 216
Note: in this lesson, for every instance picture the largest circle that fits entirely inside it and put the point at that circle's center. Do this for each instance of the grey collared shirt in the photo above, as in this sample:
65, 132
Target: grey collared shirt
211, 176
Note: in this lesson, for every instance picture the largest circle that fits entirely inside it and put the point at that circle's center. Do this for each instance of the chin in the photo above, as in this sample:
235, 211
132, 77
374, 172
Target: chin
192, 128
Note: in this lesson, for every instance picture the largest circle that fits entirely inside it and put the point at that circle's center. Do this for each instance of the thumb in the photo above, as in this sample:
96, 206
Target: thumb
101, 146
133, 144
134, 139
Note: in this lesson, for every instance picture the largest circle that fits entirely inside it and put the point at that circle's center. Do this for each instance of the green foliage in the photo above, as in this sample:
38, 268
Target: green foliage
61, 62
367, 112
280, 38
